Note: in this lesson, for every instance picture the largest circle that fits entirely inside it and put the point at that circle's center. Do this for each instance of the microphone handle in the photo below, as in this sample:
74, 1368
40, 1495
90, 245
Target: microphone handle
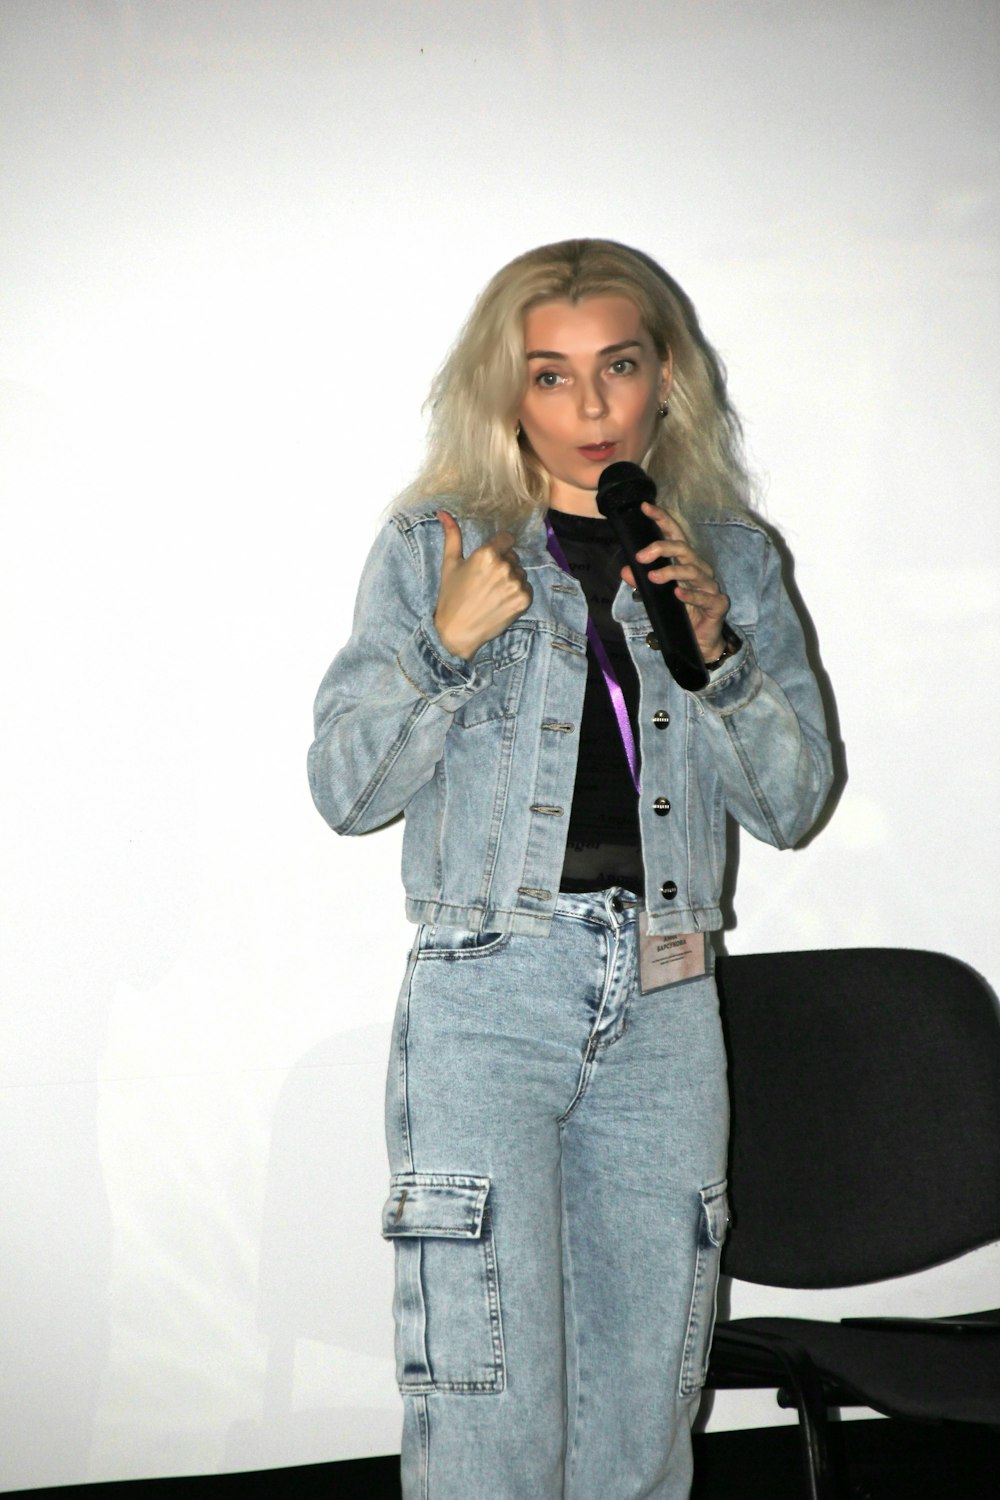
667, 614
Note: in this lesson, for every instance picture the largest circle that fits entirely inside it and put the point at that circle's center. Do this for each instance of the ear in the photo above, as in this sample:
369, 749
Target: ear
666, 376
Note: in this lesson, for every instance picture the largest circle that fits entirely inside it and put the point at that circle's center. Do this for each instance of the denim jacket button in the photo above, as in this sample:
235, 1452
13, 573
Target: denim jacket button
668, 890
661, 807
661, 718
652, 642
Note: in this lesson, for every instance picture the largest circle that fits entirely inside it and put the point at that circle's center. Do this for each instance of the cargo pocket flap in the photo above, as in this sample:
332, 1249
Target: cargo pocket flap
441, 1205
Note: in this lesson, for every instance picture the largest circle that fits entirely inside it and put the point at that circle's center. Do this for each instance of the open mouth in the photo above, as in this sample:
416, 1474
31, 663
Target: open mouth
597, 452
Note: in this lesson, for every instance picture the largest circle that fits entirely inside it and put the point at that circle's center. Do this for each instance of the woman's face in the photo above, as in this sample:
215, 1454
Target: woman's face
594, 385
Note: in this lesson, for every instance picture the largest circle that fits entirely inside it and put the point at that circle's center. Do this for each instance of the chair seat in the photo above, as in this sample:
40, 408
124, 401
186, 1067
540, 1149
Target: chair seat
919, 1371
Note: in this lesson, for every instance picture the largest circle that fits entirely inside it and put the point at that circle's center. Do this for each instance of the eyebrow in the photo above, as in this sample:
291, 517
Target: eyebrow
610, 349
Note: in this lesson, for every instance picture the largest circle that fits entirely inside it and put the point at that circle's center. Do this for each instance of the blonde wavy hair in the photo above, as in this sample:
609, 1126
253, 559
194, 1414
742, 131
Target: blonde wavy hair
474, 453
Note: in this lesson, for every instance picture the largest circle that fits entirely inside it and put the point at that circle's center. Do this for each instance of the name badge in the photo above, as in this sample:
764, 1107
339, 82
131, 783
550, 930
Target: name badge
667, 960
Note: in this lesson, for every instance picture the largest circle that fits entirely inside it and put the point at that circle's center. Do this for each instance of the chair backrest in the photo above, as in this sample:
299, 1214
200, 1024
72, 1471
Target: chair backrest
865, 1088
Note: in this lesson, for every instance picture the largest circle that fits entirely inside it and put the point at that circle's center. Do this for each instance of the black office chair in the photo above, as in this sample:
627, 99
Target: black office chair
865, 1144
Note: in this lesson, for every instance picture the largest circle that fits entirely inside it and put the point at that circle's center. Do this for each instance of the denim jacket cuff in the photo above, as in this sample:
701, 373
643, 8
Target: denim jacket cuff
736, 683
432, 670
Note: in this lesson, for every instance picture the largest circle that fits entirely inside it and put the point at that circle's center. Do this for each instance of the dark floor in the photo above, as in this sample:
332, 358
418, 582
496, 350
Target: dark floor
878, 1461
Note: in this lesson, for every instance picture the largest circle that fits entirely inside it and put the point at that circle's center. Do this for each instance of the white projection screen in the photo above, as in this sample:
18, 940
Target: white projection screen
237, 238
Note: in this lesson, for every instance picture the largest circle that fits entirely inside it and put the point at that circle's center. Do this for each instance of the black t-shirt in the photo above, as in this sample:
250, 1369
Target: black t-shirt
603, 846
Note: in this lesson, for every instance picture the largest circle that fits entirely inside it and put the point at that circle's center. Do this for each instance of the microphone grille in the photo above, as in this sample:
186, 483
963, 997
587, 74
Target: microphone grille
622, 486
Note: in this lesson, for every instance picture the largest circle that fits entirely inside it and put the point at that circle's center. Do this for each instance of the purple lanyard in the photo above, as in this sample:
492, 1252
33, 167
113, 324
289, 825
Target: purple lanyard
611, 682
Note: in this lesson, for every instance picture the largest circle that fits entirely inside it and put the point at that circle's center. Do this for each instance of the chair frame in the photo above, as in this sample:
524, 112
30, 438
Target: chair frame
743, 1357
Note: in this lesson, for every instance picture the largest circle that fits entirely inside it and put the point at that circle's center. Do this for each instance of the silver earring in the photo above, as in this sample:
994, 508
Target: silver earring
517, 429
663, 409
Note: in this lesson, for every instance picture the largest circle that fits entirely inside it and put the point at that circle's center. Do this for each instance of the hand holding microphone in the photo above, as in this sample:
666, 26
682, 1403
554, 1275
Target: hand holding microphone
685, 605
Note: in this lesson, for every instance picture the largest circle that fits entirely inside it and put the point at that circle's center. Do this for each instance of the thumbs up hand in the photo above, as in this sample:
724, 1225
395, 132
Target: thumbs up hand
480, 595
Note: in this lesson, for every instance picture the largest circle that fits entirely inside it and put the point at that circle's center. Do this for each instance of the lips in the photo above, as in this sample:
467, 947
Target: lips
597, 452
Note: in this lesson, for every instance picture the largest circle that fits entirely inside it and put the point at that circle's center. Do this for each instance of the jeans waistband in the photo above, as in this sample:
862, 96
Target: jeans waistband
614, 906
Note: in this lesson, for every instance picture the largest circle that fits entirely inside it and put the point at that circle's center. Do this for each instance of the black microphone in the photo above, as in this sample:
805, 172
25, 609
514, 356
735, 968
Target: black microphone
621, 490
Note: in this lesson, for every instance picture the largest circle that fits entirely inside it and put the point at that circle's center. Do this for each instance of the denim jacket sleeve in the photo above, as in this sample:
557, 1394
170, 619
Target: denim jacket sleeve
763, 717
384, 707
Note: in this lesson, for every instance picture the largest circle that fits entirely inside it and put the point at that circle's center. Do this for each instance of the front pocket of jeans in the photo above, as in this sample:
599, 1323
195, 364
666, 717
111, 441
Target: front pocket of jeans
713, 1220
449, 1334
438, 941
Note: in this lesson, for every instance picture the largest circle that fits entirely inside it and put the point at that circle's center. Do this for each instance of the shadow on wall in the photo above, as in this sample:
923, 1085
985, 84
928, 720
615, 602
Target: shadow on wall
55, 1249
325, 1275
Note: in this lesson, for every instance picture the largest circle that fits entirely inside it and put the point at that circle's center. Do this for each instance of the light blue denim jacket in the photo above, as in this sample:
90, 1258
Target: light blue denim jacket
481, 755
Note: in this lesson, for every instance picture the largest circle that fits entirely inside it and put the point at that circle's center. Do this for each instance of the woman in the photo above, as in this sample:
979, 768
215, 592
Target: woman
556, 1104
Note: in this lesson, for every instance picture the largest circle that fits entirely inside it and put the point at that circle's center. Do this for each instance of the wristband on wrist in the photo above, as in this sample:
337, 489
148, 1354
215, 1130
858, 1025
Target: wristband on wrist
731, 644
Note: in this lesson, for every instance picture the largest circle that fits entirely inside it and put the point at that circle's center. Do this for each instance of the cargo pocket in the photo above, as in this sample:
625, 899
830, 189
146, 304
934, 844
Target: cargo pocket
713, 1220
449, 1335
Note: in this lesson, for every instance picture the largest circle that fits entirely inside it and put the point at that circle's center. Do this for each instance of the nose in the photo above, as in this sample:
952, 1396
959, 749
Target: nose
593, 401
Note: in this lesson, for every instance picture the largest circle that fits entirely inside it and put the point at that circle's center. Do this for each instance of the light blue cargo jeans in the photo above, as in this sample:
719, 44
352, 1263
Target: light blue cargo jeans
557, 1142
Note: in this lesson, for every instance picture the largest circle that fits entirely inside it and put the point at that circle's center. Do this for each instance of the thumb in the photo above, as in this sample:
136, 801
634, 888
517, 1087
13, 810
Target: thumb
452, 539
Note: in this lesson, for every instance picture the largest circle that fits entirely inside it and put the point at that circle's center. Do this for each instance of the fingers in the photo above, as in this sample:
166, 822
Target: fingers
695, 582
705, 595
668, 524
498, 550
694, 588
681, 562
501, 548
503, 543
501, 566
452, 539
479, 595
675, 543
685, 567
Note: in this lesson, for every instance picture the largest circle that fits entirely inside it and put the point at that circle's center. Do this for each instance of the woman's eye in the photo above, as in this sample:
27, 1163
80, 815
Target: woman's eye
548, 379
623, 366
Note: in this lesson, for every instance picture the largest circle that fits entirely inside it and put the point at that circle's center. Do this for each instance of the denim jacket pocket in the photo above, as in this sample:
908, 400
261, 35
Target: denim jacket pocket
449, 1334
713, 1221
499, 665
